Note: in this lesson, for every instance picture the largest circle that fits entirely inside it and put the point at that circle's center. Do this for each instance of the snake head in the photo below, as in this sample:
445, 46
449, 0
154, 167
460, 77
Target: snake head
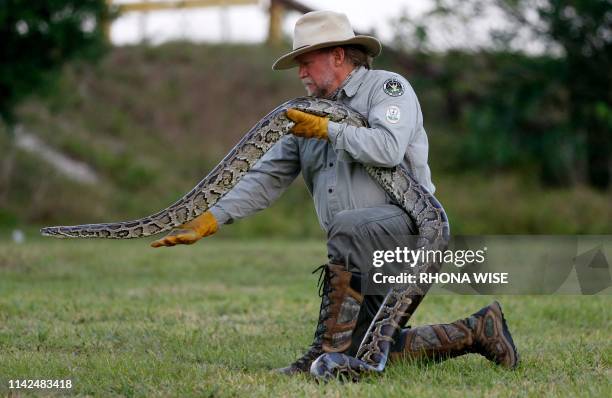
55, 232
334, 365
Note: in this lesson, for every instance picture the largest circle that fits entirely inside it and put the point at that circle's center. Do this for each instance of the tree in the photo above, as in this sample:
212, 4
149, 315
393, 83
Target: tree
571, 76
37, 38
583, 31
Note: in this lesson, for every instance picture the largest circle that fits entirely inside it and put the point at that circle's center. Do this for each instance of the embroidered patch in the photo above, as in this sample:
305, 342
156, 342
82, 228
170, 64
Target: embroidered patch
393, 87
393, 114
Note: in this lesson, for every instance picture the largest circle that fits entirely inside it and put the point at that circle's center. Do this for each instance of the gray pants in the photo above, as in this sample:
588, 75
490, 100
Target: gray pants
353, 237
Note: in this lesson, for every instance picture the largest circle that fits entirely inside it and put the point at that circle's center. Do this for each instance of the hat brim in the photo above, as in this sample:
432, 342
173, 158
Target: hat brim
288, 61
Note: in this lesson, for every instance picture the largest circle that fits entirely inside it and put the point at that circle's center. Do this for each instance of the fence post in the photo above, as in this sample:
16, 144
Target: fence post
275, 24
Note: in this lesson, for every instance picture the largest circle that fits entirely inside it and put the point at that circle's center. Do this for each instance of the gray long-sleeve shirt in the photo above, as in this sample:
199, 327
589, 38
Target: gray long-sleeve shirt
333, 169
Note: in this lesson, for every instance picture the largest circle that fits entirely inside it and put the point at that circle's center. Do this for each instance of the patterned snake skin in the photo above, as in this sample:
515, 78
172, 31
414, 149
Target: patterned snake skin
400, 302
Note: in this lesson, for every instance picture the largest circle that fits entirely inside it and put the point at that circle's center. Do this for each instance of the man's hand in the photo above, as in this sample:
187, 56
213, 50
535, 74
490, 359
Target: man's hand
190, 232
308, 125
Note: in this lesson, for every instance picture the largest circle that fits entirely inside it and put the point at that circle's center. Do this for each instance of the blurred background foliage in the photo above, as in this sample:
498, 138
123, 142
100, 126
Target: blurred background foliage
38, 37
520, 142
553, 110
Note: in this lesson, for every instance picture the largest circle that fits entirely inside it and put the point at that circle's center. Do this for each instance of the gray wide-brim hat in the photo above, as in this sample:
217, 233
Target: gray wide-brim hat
321, 29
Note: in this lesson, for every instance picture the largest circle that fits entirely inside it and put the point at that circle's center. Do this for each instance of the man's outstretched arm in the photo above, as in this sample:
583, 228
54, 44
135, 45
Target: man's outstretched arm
257, 190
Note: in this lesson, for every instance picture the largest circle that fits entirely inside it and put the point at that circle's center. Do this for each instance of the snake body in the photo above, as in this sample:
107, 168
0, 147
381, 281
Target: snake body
256, 142
423, 207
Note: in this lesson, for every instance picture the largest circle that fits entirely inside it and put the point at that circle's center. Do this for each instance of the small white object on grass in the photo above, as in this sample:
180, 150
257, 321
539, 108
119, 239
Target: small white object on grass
18, 236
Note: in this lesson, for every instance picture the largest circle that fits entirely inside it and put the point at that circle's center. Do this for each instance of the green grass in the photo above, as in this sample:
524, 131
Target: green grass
121, 319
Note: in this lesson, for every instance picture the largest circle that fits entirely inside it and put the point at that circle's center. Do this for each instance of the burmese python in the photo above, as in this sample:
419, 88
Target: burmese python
423, 207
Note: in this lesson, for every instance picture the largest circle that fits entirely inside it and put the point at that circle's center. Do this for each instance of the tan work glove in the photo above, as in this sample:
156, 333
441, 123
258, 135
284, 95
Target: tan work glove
190, 232
308, 125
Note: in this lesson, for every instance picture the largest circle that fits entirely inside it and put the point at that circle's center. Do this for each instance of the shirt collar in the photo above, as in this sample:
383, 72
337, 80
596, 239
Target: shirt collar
354, 82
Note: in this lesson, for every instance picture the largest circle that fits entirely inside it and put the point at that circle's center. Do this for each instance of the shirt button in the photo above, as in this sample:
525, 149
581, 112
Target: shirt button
331, 164
330, 190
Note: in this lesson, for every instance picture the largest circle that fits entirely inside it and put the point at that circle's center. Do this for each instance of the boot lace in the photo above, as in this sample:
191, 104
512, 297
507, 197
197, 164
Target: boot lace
325, 288
323, 284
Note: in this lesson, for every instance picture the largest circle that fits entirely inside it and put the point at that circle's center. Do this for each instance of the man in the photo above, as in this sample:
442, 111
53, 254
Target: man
357, 214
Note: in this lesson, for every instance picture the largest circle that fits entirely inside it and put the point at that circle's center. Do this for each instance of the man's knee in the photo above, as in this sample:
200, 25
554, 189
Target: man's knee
371, 221
344, 223
355, 233
341, 237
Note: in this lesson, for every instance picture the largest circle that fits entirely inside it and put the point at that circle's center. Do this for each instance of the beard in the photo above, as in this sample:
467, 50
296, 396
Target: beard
322, 89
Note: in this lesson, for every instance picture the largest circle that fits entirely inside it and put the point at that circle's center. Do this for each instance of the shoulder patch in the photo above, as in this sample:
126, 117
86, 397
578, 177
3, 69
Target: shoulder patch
393, 87
393, 114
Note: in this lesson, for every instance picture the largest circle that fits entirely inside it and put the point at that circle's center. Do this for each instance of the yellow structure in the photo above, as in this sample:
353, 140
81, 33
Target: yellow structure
275, 25
276, 10
177, 5
156, 5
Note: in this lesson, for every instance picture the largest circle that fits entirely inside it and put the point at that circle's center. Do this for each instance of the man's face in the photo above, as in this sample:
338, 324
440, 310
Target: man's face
316, 72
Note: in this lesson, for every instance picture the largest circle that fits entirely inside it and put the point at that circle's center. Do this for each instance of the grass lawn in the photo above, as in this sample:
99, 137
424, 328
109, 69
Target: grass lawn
121, 319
